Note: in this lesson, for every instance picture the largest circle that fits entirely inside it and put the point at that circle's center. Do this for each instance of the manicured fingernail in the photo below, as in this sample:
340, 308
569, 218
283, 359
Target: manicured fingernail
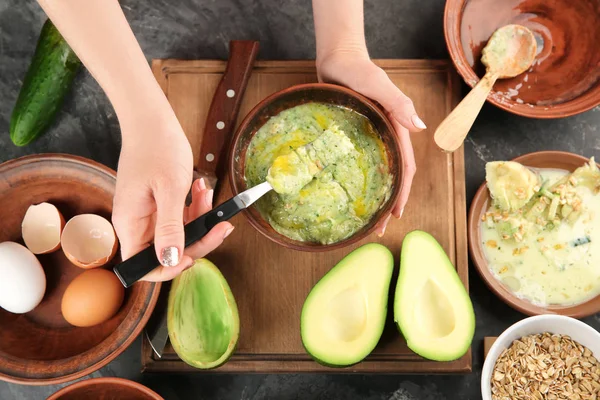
169, 256
385, 225
417, 122
227, 233
201, 184
401, 212
208, 198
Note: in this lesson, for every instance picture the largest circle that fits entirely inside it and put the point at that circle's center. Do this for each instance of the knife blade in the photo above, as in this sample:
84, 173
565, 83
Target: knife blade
156, 328
218, 128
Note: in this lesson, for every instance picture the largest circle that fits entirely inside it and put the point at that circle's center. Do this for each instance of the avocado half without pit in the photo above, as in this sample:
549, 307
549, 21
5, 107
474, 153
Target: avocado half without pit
431, 307
202, 316
344, 314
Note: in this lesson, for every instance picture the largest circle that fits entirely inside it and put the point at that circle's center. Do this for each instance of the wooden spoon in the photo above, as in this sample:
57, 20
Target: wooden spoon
509, 52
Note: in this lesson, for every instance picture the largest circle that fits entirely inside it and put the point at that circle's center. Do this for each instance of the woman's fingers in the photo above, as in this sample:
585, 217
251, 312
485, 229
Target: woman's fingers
198, 250
378, 86
161, 274
211, 241
402, 114
135, 232
409, 168
201, 204
168, 233
202, 200
382, 226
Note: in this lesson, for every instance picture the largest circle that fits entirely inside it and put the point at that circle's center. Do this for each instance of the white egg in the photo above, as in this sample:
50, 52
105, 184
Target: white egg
22, 279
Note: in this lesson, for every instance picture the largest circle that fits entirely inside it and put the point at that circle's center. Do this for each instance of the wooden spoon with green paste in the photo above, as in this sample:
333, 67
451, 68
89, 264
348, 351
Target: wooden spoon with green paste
510, 51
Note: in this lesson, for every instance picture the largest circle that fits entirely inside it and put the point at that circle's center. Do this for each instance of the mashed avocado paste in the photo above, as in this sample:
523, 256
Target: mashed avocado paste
344, 194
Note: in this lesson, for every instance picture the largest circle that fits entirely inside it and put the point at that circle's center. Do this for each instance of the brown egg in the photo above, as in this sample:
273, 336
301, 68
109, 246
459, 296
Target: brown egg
92, 298
89, 241
41, 228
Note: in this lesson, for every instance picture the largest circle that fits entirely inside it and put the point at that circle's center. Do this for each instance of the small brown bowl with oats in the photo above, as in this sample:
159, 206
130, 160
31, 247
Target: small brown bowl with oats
574, 367
526, 274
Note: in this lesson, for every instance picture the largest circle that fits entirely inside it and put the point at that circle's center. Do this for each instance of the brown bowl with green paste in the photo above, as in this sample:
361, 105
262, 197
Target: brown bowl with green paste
355, 186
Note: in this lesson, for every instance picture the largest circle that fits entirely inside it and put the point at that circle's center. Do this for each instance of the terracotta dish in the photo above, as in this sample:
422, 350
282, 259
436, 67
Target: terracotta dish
565, 77
40, 347
105, 388
481, 203
291, 97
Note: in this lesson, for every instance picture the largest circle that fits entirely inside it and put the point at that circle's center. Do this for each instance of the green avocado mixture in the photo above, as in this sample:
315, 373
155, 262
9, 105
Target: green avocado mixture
343, 196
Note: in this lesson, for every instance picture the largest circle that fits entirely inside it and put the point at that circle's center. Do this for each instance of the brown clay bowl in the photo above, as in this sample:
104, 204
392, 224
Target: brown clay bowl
105, 389
291, 97
40, 347
480, 204
565, 78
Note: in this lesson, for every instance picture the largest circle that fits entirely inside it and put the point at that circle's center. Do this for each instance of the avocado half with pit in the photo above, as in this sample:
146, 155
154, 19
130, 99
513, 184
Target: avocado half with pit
432, 308
344, 314
202, 316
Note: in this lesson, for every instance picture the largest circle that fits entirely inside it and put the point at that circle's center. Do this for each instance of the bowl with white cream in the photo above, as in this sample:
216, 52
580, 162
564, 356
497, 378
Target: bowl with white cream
534, 233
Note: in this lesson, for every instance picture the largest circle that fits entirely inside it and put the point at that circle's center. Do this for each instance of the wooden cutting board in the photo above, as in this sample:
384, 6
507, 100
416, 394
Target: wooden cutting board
270, 283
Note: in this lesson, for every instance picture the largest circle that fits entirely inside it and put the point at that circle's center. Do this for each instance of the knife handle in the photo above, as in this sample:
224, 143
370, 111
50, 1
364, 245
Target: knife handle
135, 268
225, 105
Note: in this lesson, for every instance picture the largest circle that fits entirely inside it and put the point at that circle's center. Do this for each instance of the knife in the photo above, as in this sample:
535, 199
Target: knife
223, 112
134, 268
218, 128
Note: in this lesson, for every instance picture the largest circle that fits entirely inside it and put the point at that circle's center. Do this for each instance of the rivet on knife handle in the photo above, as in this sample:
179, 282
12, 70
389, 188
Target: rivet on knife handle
225, 105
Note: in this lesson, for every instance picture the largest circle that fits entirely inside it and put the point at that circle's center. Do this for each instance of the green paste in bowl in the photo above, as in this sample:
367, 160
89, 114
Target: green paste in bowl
339, 200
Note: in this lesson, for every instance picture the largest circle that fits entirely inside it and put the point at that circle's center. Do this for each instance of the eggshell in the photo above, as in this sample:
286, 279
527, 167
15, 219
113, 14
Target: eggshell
41, 228
89, 241
22, 279
93, 297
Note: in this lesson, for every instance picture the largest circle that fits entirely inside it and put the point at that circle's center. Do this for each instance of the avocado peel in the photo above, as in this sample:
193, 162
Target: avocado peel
202, 316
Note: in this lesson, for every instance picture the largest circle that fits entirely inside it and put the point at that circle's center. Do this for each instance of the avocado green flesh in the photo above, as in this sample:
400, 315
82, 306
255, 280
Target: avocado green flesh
337, 201
511, 184
202, 317
431, 306
344, 314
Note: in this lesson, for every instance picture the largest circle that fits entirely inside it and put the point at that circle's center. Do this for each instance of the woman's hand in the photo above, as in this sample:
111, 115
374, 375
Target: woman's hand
342, 58
153, 179
354, 69
155, 167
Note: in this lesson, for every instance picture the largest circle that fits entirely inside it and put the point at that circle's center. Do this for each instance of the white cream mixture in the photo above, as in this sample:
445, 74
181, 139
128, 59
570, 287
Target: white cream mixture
559, 266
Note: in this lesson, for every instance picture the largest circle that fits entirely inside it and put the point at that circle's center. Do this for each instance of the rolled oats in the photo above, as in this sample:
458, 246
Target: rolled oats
546, 367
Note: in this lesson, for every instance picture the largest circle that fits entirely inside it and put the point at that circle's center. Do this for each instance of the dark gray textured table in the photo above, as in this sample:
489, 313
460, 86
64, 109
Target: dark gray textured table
201, 29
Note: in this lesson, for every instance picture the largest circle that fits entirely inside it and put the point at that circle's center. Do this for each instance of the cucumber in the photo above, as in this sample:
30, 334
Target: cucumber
48, 80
